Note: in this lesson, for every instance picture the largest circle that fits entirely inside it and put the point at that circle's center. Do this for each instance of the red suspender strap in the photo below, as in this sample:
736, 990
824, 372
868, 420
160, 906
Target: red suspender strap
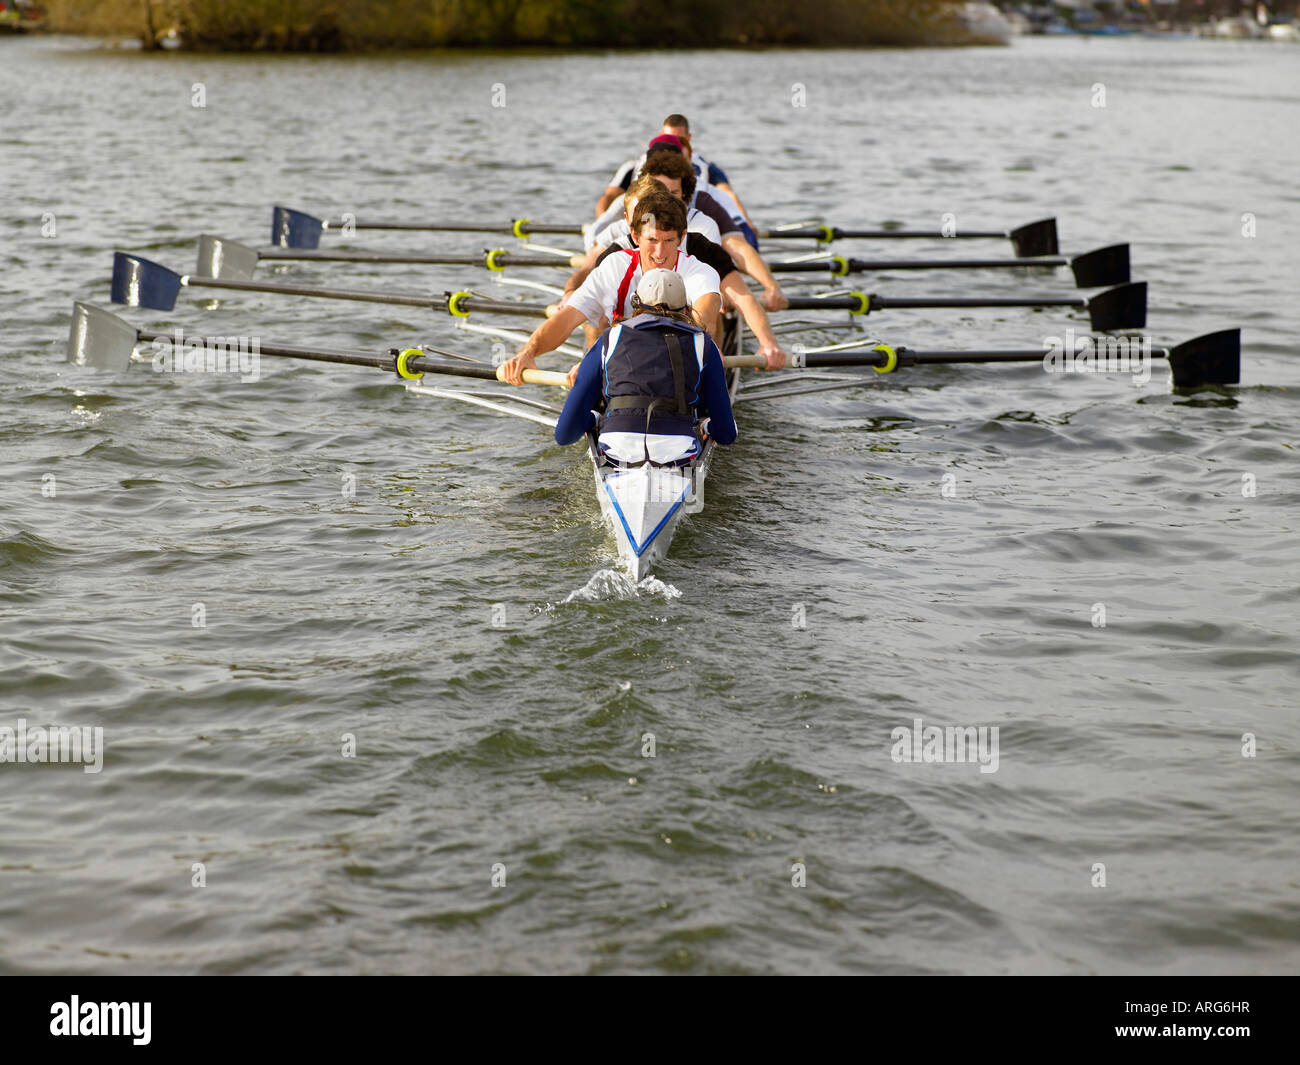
635, 256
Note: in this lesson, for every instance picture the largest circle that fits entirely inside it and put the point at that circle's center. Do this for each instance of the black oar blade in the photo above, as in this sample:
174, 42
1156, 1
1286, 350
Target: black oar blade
1213, 359
138, 282
1037, 238
1101, 268
295, 229
100, 339
1122, 307
225, 259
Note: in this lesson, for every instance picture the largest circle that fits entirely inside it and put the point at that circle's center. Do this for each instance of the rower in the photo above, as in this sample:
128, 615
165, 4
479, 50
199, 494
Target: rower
657, 380
671, 168
677, 126
710, 174
660, 222
726, 202
735, 293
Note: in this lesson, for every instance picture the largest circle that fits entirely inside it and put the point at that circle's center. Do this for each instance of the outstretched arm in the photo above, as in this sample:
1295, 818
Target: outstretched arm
743, 300
546, 337
707, 308
748, 259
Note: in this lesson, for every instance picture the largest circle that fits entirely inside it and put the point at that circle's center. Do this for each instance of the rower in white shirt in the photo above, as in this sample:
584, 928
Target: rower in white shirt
606, 295
697, 243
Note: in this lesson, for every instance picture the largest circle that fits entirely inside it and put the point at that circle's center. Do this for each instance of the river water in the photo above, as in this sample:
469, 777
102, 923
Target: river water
231, 579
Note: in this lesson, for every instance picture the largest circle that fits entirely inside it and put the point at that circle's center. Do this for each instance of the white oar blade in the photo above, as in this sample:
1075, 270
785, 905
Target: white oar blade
227, 259
99, 339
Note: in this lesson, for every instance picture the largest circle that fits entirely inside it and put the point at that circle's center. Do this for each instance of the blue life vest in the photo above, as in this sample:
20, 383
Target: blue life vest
652, 369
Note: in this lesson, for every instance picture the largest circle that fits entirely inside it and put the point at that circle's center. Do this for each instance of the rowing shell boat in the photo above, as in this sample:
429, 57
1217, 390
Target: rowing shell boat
645, 504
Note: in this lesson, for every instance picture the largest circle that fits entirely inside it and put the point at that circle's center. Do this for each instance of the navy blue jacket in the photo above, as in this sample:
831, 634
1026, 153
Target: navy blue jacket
714, 401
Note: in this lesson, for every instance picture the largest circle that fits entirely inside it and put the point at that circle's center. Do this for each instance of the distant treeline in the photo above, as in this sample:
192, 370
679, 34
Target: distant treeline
346, 25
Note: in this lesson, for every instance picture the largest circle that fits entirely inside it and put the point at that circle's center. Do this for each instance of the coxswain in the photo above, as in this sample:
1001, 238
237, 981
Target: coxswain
653, 387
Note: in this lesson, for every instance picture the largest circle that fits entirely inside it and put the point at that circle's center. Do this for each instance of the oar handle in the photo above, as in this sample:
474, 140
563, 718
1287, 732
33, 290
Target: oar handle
854, 303
539, 377
732, 362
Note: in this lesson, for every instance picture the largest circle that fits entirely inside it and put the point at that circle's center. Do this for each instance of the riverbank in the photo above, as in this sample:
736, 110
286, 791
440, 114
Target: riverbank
326, 26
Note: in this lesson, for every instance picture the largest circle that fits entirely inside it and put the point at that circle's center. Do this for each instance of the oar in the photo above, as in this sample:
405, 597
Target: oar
297, 229
223, 258
104, 341
1212, 359
1094, 269
233, 261
1036, 238
140, 282
1122, 307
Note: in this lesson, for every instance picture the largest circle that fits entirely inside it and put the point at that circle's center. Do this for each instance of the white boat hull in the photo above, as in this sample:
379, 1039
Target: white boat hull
644, 505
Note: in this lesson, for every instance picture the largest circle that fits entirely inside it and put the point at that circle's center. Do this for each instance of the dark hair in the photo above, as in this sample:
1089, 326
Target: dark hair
664, 207
676, 122
671, 164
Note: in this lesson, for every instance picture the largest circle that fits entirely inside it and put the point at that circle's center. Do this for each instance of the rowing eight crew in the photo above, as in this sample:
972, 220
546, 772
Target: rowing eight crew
657, 381
657, 214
